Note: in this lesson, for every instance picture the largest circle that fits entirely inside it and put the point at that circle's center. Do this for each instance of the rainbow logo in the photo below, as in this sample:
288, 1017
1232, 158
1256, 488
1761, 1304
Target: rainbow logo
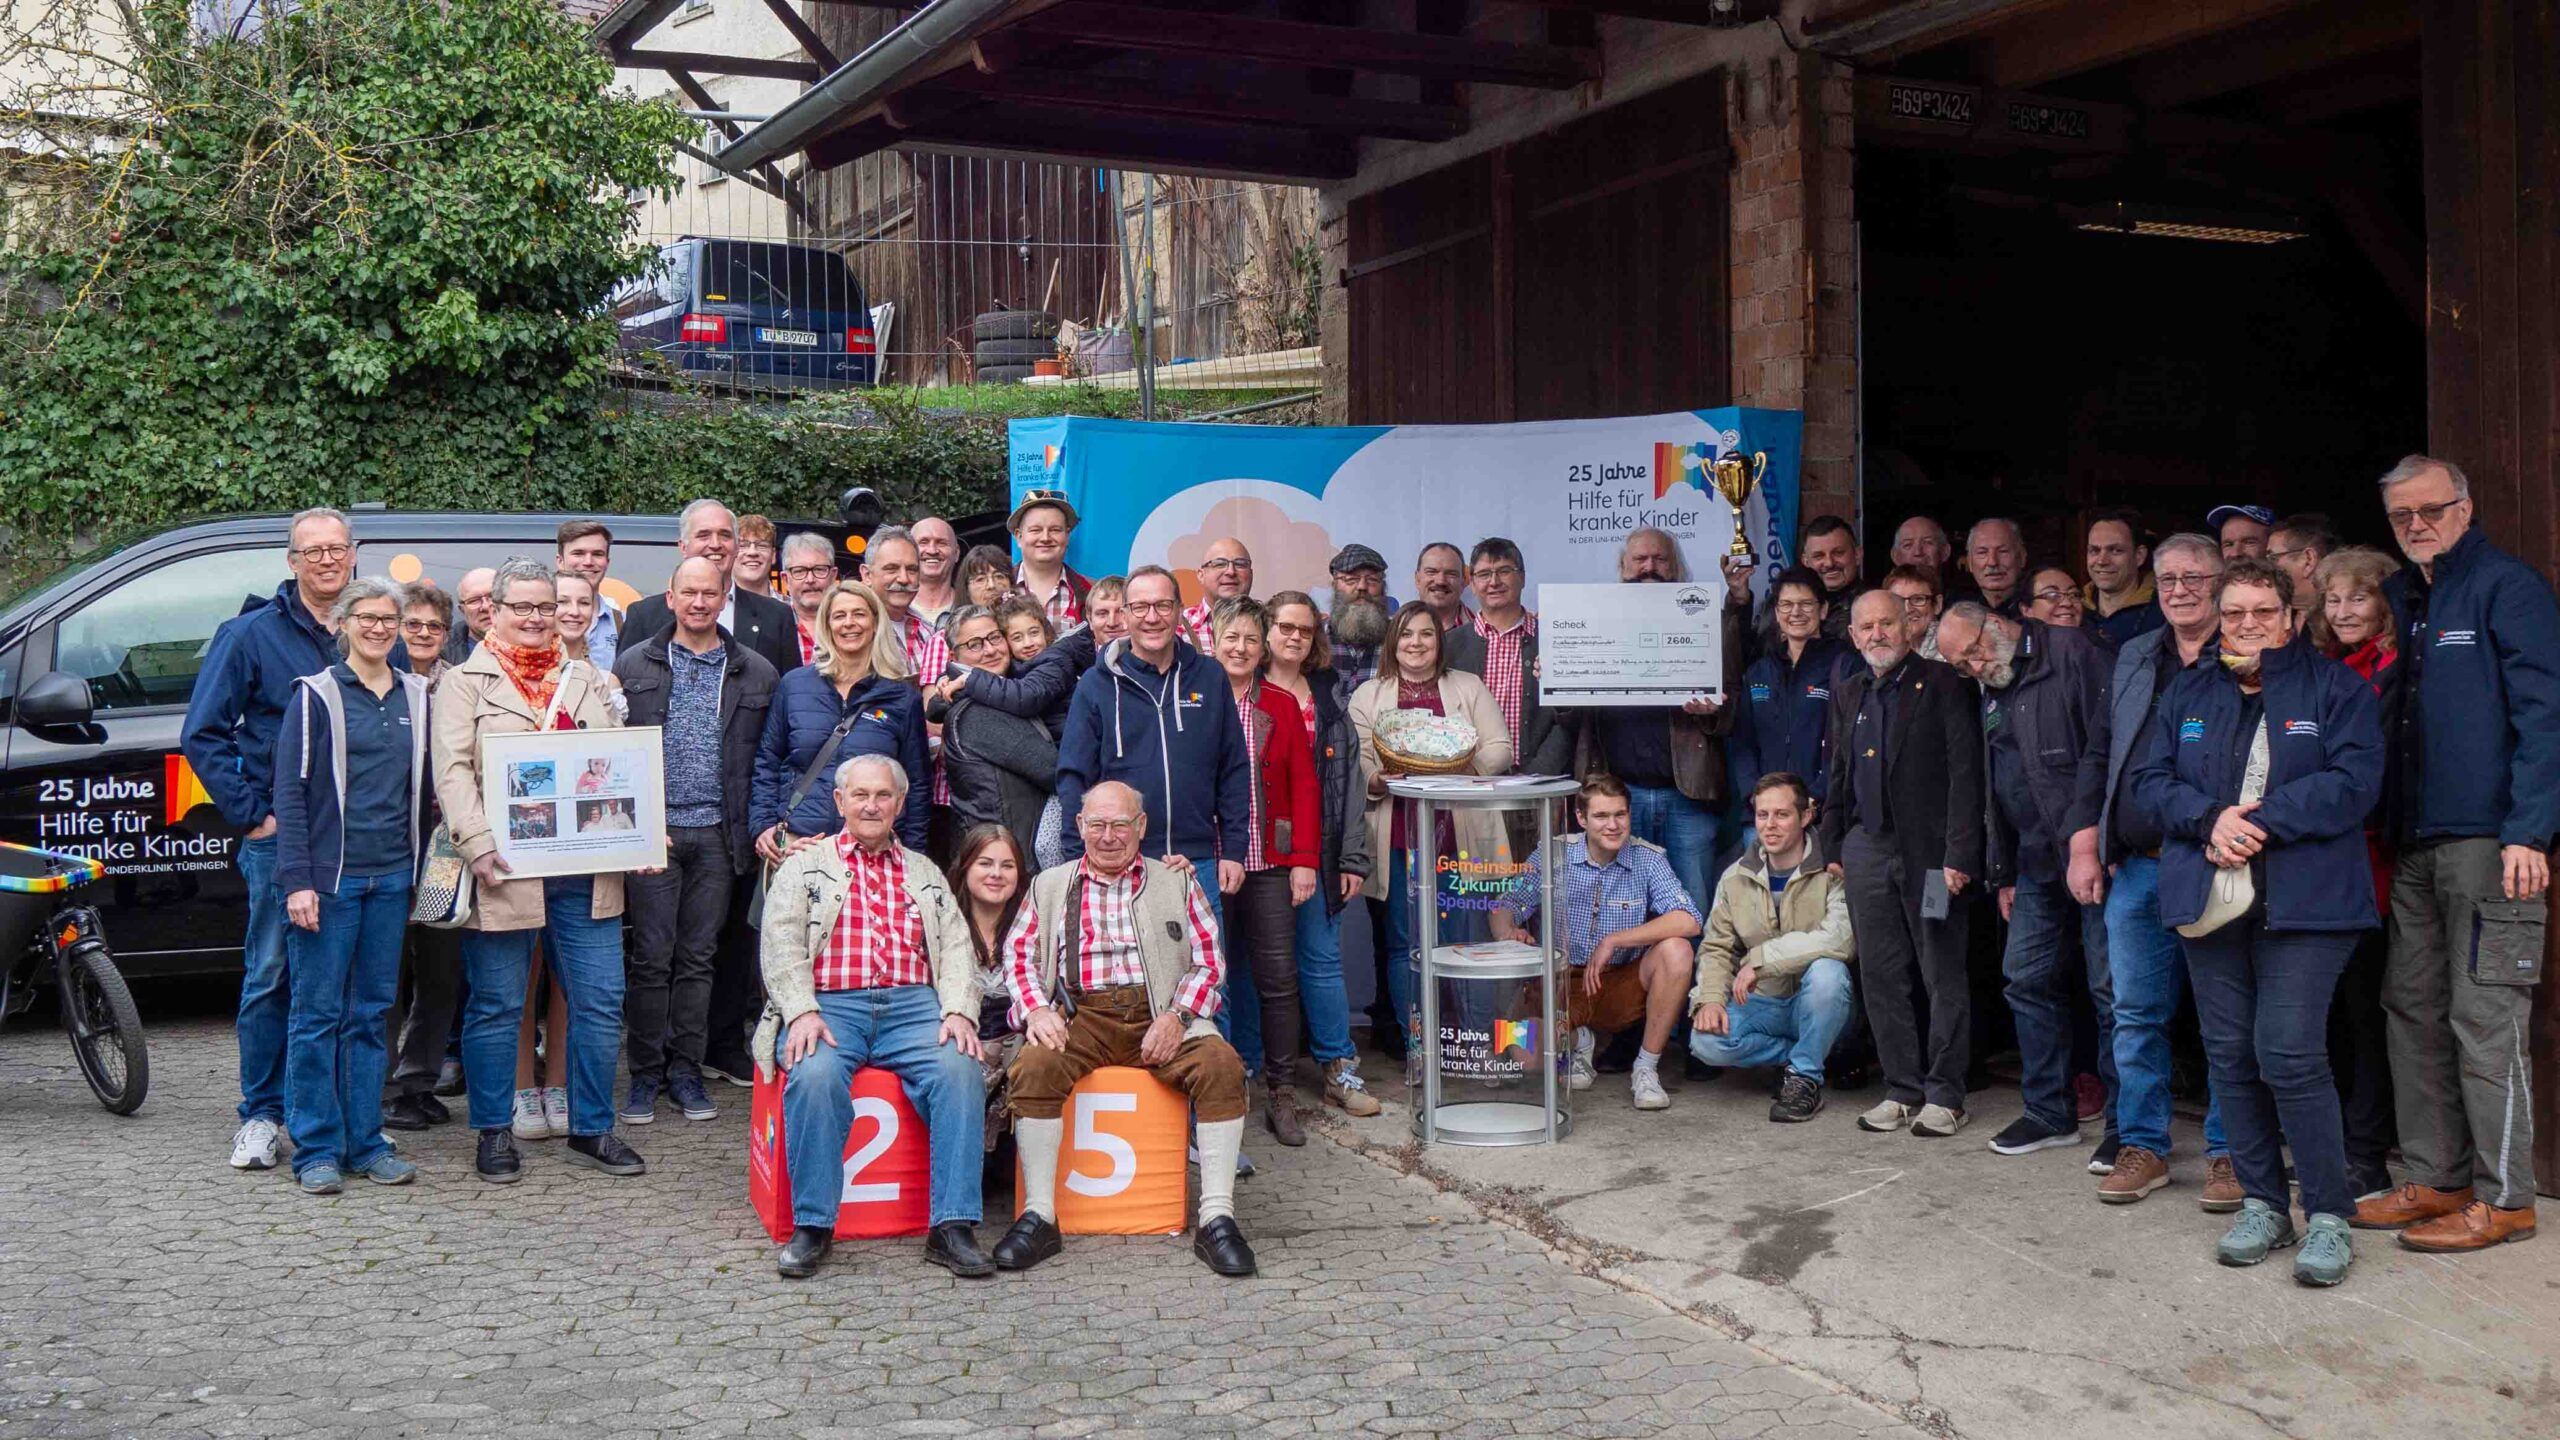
1676, 464
1049, 456
180, 790
1510, 1033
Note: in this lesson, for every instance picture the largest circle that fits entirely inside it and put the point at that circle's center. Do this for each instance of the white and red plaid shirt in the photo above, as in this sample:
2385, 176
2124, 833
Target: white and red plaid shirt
1064, 613
808, 634
1107, 950
1246, 713
1197, 629
928, 655
878, 940
1503, 673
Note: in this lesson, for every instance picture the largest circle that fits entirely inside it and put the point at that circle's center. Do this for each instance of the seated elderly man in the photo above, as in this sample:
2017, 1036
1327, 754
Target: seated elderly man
1114, 961
1628, 925
868, 961
1773, 972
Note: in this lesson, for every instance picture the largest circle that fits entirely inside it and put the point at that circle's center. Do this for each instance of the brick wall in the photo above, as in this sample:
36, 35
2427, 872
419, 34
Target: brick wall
1794, 261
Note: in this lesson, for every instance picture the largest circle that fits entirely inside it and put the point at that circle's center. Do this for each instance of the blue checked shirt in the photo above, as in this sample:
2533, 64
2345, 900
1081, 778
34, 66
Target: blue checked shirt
1599, 900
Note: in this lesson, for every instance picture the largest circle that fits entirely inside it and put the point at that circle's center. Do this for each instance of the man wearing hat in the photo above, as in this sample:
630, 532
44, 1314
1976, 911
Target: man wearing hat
2242, 529
1361, 608
1040, 526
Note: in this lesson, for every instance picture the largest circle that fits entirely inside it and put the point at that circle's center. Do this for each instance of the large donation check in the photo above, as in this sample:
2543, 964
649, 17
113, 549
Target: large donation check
1630, 644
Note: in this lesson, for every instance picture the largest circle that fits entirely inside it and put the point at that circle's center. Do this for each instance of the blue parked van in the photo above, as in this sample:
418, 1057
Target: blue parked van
755, 313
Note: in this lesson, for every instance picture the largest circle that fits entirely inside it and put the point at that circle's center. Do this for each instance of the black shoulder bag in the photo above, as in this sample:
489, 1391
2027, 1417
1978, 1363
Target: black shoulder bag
791, 802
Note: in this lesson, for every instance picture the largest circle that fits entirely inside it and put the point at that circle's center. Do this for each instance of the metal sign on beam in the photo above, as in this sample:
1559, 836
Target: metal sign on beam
1972, 115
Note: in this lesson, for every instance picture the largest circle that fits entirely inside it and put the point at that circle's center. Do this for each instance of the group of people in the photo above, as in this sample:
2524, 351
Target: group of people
989, 823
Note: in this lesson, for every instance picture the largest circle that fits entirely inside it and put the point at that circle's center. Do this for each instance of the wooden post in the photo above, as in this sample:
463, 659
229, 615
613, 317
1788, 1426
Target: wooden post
2490, 94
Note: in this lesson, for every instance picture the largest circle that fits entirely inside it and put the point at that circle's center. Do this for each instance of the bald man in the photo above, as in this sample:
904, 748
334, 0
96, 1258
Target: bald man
1226, 572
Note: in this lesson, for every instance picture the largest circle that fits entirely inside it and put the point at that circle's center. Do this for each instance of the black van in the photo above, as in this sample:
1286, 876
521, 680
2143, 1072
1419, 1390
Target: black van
106, 778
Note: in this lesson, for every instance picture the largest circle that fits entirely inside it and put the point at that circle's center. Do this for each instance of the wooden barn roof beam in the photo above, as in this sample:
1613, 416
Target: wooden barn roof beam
1192, 100
2052, 44
1291, 42
2281, 48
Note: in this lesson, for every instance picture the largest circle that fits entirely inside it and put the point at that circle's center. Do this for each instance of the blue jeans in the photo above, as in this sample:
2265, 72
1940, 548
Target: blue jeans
1320, 991
2262, 998
1796, 1030
344, 975
898, 1030
586, 953
266, 1003
2149, 976
1685, 829
2039, 920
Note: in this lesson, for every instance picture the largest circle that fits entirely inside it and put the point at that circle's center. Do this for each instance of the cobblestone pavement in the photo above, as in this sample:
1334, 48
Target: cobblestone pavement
147, 1288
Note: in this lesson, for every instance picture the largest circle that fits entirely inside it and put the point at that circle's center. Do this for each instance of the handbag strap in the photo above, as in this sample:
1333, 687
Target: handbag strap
826, 751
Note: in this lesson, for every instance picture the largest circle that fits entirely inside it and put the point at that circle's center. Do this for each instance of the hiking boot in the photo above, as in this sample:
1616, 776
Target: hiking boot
1345, 1091
1885, 1116
2475, 1226
1799, 1099
2136, 1173
2259, 1230
1937, 1122
2027, 1134
2411, 1204
2327, 1250
1280, 1113
2221, 1194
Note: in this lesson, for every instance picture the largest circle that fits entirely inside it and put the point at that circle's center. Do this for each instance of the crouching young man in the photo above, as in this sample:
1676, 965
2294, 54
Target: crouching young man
1628, 926
868, 961
1114, 961
1773, 972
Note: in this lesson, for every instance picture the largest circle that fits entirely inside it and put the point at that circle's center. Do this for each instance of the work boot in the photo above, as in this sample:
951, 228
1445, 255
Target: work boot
2475, 1226
2411, 1204
2221, 1194
1344, 1089
1280, 1111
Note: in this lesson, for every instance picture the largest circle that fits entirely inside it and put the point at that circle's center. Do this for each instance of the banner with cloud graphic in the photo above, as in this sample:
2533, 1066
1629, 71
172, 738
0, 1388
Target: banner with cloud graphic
1568, 492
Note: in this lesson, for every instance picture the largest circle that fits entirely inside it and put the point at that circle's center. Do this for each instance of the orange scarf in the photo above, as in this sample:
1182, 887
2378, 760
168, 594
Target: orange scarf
535, 673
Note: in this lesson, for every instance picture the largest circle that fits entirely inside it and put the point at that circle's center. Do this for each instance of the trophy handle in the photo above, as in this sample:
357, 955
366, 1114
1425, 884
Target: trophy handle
1759, 465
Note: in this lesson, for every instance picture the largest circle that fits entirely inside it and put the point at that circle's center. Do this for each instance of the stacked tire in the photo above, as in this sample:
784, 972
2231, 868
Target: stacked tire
1009, 341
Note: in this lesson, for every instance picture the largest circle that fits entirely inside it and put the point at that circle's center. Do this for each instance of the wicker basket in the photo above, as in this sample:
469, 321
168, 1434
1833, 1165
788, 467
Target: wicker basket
1395, 760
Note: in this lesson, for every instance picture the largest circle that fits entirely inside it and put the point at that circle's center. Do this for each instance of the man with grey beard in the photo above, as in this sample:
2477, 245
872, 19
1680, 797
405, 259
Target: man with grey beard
2044, 691
1361, 609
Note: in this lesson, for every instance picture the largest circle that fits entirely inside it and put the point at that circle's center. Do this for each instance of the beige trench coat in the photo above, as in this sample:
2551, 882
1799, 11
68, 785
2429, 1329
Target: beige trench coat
476, 698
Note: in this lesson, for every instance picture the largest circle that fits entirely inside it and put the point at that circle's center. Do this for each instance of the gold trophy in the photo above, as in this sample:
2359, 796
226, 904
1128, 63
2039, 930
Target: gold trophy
1735, 480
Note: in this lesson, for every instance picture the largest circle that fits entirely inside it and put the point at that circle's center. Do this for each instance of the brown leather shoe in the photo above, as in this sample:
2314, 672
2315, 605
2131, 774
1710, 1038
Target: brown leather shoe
2408, 1205
2475, 1226
2137, 1173
2221, 1194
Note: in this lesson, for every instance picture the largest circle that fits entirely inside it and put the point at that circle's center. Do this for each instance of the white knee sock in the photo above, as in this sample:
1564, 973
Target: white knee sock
1220, 1142
1037, 1141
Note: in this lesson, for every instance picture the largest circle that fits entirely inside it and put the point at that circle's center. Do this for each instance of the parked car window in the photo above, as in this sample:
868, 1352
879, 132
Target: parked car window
142, 643
794, 277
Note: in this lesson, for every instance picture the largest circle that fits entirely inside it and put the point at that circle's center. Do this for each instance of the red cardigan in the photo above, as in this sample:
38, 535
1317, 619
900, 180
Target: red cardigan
1292, 831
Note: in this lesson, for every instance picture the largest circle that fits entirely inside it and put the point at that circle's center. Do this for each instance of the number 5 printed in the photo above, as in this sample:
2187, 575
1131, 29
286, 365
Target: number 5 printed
881, 1113
1124, 1159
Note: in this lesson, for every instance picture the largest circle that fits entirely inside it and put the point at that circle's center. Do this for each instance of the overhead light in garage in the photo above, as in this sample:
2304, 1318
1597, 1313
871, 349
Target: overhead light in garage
2183, 223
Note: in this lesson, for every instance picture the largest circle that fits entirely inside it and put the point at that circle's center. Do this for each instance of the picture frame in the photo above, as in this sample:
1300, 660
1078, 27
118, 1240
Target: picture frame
576, 802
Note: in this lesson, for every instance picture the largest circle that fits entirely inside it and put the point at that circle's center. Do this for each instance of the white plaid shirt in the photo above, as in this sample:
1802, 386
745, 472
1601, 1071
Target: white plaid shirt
928, 655
1503, 673
1107, 952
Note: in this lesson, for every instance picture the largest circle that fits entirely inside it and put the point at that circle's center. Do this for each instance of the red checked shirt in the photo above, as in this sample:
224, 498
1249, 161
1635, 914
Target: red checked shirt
1196, 628
1502, 669
878, 941
1107, 952
928, 655
1064, 613
1246, 713
808, 642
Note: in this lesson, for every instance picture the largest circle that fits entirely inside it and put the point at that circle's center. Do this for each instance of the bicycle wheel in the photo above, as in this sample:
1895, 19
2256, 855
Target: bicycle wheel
106, 1029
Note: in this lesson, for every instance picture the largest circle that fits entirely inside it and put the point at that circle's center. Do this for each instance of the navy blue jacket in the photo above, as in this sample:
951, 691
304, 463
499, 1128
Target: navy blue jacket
1174, 738
805, 712
1785, 719
310, 793
2324, 771
2481, 742
250, 667
1038, 688
2057, 701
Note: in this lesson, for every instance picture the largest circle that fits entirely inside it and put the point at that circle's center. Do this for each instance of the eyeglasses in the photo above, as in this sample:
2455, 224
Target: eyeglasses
2288, 554
1797, 607
1225, 563
2402, 519
328, 554
1919, 604
2199, 583
809, 572
374, 623
528, 609
424, 627
2263, 614
1495, 572
1293, 632
2054, 594
1149, 607
981, 643
1092, 825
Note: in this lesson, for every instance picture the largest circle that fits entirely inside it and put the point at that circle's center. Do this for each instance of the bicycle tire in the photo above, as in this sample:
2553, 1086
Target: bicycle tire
106, 1029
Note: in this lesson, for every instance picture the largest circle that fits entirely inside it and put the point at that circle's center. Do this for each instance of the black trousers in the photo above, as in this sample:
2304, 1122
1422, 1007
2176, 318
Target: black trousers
676, 917
1262, 934
1905, 961
2359, 1059
737, 986
430, 999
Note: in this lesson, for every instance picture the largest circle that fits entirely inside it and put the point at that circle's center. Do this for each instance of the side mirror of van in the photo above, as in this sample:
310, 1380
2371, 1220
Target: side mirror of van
55, 698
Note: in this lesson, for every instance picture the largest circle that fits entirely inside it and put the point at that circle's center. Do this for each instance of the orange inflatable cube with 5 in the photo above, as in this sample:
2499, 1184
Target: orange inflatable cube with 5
1121, 1168
887, 1161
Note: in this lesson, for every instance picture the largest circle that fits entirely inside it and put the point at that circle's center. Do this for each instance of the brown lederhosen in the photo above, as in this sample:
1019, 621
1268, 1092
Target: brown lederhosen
1619, 1004
1106, 1030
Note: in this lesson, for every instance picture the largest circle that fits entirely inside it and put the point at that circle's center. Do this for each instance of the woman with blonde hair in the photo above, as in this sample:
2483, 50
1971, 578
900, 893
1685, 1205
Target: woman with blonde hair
853, 700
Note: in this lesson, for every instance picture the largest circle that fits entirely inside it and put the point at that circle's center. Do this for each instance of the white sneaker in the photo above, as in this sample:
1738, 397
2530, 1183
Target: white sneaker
254, 1147
1885, 1116
1578, 1074
529, 1124
555, 1111
1646, 1084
